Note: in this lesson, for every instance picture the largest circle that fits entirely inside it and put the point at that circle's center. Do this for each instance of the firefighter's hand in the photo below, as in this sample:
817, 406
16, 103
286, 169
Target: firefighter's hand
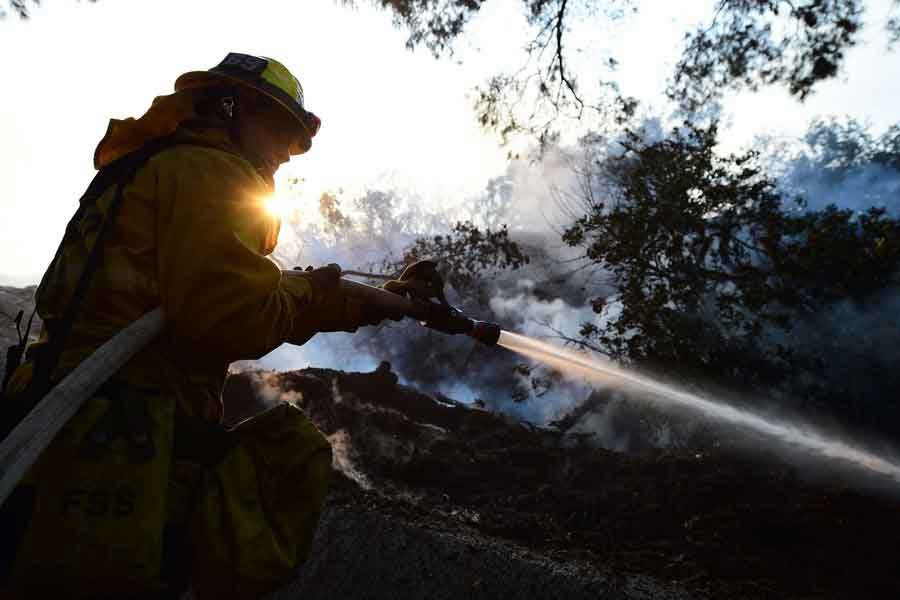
333, 310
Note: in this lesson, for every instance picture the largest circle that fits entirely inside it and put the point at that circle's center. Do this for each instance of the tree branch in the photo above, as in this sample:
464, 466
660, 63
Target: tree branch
560, 26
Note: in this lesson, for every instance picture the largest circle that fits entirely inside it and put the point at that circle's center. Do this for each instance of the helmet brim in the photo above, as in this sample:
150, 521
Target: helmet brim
202, 79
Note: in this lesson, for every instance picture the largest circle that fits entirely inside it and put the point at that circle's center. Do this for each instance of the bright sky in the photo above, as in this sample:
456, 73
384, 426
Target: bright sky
388, 114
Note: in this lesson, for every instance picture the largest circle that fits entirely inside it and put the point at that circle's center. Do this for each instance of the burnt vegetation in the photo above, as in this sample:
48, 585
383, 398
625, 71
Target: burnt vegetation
713, 523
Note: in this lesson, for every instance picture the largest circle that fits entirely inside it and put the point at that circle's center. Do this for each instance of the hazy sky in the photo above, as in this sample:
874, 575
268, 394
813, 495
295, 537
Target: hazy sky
388, 114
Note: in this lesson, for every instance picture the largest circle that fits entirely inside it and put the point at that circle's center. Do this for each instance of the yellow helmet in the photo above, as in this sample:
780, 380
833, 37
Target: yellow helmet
266, 76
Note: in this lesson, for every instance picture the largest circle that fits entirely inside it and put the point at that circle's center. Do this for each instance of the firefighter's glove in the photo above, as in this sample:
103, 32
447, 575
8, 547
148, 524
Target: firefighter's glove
333, 310
420, 281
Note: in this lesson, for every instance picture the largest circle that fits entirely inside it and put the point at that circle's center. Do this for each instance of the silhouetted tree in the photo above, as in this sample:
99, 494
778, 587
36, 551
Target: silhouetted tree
840, 147
18, 8
762, 42
21, 8
893, 24
468, 254
747, 44
709, 257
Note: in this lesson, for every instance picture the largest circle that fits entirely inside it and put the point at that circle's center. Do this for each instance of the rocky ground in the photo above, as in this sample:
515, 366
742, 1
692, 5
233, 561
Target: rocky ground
479, 506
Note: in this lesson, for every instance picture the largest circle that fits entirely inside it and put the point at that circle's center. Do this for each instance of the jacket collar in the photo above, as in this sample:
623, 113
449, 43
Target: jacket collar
215, 133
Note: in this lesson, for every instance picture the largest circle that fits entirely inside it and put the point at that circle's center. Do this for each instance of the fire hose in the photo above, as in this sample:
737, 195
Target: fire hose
24, 444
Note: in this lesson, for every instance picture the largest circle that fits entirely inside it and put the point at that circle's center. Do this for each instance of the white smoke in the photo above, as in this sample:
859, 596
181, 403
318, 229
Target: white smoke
601, 424
269, 391
325, 350
385, 223
534, 316
344, 458
549, 298
868, 186
861, 341
267, 386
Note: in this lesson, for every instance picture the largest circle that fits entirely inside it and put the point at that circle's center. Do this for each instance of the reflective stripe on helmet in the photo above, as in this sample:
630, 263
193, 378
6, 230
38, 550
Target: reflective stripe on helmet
278, 75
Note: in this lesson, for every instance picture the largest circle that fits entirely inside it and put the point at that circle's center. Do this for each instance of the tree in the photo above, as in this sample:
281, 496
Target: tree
21, 8
840, 147
432, 23
533, 98
711, 260
467, 254
893, 25
748, 44
840, 161
18, 8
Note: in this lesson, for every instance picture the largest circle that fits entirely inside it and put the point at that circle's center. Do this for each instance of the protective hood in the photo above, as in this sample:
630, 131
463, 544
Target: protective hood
161, 119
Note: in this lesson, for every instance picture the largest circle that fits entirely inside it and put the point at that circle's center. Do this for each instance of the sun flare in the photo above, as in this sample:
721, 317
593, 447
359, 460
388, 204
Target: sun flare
280, 205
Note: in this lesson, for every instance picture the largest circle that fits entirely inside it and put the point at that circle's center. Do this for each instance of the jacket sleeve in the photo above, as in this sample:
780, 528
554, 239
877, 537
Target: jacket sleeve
219, 294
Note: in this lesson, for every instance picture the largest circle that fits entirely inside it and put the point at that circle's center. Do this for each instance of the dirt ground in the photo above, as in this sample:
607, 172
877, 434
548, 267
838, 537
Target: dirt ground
364, 552
736, 524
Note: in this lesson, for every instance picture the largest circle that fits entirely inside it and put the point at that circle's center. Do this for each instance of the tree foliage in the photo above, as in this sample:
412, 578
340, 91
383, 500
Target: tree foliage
762, 42
19, 8
467, 254
545, 90
840, 147
893, 24
530, 99
710, 257
432, 23
840, 161
747, 44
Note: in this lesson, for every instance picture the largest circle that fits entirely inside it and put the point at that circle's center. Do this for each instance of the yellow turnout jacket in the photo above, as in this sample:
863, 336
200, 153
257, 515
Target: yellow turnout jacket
191, 236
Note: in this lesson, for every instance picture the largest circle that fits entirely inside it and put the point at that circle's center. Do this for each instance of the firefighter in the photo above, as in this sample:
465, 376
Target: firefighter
143, 493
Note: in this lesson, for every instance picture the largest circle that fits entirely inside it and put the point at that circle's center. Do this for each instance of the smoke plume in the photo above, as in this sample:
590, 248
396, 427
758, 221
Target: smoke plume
855, 344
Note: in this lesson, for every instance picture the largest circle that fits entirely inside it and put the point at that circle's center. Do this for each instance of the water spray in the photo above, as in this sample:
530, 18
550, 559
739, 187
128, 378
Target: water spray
418, 293
606, 371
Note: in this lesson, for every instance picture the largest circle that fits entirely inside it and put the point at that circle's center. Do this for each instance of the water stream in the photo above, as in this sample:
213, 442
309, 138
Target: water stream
607, 372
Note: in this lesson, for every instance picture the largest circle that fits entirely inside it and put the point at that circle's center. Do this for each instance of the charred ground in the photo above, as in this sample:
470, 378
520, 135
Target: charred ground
717, 523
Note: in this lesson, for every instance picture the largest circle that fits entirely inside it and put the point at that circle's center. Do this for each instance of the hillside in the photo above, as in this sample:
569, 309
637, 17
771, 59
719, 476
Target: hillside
660, 524
436, 499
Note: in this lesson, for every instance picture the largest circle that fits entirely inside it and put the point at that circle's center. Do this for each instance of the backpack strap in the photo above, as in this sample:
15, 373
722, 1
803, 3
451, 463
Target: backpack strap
119, 173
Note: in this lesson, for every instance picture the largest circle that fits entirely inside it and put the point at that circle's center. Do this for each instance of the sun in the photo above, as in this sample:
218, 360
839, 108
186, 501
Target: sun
279, 205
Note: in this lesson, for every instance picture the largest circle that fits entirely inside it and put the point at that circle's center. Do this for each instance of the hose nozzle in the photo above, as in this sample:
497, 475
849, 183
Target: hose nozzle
485, 332
438, 316
449, 320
